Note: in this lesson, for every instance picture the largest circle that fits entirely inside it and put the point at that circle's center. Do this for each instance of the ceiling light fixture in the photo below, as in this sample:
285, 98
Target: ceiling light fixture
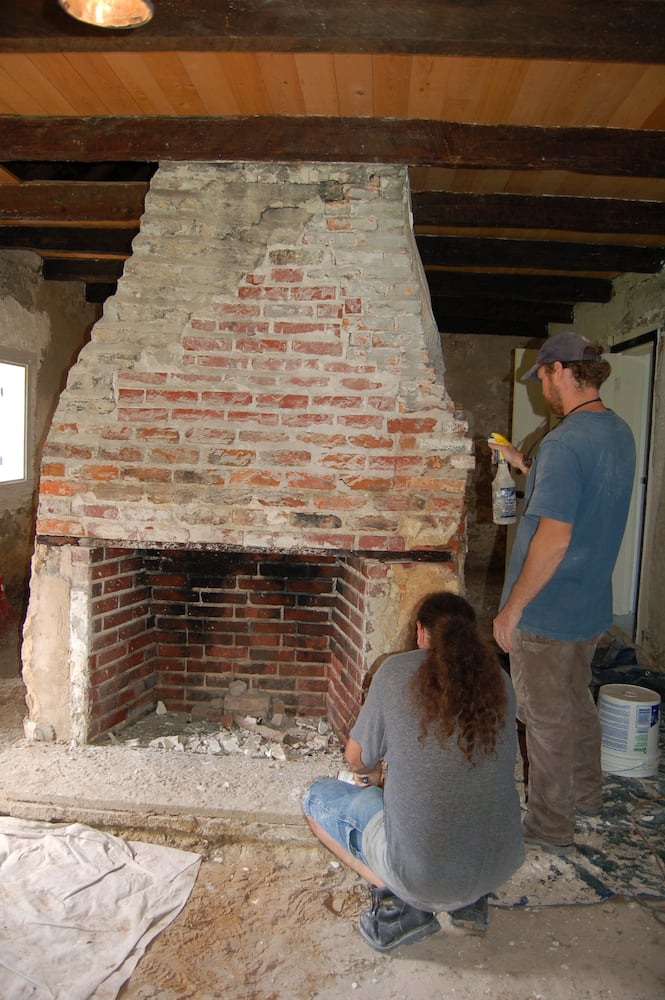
109, 13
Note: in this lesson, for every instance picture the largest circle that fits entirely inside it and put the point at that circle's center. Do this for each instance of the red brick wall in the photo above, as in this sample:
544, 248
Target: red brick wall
290, 398
122, 677
179, 626
226, 616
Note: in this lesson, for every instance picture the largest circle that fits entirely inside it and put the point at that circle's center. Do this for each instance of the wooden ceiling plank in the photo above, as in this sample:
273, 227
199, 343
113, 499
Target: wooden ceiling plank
318, 85
36, 81
8, 179
391, 82
460, 251
207, 74
593, 151
644, 102
589, 215
171, 76
134, 71
498, 99
552, 182
15, 94
466, 82
428, 86
246, 83
76, 90
281, 82
57, 203
603, 30
355, 90
110, 88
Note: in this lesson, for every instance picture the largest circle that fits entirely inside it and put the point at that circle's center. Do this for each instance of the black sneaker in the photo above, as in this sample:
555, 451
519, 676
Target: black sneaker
473, 918
390, 922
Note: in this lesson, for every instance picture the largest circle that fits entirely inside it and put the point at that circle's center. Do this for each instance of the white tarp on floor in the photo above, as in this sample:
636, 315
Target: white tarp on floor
79, 907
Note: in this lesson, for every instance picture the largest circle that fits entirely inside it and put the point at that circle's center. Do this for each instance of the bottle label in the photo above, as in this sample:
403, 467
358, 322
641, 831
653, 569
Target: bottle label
505, 505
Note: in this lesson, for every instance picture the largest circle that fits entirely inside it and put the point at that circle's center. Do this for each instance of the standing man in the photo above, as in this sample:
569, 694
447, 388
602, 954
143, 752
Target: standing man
557, 596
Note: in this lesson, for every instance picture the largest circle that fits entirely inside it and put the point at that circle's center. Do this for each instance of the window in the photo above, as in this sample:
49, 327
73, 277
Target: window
13, 409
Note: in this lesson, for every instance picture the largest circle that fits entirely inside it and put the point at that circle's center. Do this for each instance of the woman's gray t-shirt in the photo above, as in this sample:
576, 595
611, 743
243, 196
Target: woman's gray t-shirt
449, 832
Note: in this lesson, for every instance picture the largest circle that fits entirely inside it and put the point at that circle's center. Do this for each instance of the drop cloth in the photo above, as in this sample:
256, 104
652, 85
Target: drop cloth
78, 907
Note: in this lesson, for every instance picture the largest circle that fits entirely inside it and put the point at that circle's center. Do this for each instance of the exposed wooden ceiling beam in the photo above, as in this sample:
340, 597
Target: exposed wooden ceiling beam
61, 239
89, 270
491, 327
561, 29
421, 142
63, 202
515, 211
517, 287
451, 310
463, 251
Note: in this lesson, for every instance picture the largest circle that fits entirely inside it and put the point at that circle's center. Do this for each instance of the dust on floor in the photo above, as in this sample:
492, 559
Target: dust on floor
278, 923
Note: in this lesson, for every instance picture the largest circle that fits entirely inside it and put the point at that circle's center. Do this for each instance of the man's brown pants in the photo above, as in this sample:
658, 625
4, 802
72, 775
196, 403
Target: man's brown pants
563, 735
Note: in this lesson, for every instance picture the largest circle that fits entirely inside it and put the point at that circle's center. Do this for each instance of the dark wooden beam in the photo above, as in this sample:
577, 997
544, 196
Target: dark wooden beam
517, 211
491, 327
99, 292
463, 251
608, 30
412, 142
50, 240
452, 310
89, 270
517, 287
63, 202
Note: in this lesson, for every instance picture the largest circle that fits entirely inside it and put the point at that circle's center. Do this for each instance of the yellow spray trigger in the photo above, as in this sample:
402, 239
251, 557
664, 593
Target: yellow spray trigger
499, 439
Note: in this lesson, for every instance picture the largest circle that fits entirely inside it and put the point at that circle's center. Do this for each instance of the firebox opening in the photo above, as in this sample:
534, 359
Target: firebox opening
179, 626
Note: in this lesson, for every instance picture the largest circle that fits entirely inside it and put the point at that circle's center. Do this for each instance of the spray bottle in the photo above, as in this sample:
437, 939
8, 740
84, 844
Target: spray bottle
504, 495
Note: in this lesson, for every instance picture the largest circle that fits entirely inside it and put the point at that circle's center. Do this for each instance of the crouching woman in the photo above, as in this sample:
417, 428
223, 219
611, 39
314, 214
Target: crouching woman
432, 820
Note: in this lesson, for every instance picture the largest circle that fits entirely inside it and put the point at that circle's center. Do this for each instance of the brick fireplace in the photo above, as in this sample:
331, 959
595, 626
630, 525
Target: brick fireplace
254, 470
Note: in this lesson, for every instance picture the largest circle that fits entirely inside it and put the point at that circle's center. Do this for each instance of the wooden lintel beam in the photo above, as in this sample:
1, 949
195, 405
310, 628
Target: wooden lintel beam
517, 211
463, 251
517, 287
601, 30
452, 310
62, 239
412, 142
67, 203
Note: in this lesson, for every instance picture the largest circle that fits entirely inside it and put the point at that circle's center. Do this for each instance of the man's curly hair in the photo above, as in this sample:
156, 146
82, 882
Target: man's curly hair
459, 688
592, 370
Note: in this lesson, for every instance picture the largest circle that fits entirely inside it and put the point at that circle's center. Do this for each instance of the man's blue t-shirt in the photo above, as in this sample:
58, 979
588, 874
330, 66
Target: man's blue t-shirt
582, 475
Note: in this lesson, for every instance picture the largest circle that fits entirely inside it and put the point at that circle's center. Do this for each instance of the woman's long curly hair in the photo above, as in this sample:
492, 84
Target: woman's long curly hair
459, 688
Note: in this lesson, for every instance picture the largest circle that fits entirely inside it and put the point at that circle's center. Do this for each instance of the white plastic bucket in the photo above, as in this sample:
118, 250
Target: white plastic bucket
629, 718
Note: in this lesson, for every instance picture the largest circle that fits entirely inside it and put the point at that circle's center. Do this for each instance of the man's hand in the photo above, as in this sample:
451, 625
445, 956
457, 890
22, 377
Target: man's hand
546, 550
504, 625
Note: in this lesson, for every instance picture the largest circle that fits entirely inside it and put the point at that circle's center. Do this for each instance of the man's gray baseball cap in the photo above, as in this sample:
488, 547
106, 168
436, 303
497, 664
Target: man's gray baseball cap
561, 347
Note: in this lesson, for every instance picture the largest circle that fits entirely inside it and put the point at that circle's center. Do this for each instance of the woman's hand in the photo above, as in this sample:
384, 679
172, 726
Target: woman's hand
364, 779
